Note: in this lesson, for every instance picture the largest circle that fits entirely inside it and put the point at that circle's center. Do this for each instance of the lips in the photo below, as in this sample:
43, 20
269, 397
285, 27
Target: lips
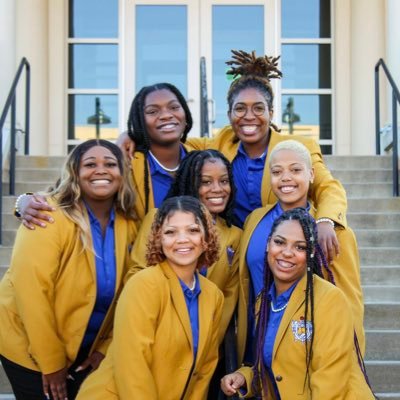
100, 182
169, 127
216, 201
184, 250
287, 189
284, 264
248, 129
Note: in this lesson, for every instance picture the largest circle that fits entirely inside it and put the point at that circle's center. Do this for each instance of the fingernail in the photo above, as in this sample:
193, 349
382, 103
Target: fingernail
51, 220
43, 225
79, 369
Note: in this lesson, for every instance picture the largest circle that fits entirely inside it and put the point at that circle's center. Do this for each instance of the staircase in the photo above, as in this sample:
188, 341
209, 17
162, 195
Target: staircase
373, 214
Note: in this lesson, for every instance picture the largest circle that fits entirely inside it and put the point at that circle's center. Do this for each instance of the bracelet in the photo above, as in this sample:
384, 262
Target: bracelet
17, 211
326, 220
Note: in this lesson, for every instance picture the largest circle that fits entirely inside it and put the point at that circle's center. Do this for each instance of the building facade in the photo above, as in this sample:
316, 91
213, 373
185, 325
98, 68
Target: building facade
90, 57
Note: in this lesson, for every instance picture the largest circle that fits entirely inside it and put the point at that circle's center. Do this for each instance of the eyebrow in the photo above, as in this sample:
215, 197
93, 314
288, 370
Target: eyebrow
157, 105
93, 158
297, 241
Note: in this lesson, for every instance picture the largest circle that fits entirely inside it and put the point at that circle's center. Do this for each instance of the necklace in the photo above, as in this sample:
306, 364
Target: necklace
277, 309
162, 166
193, 284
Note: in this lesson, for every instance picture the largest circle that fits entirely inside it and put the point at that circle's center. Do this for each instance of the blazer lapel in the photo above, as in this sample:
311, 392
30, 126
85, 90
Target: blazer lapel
121, 243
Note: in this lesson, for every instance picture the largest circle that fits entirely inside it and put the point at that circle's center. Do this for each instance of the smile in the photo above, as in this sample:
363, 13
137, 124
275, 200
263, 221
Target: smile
216, 201
248, 129
168, 127
183, 251
100, 182
285, 264
287, 189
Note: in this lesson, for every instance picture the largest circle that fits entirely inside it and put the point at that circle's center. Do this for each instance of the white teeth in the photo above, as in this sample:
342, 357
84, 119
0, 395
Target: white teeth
285, 264
287, 189
216, 201
168, 126
249, 128
100, 182
183, 251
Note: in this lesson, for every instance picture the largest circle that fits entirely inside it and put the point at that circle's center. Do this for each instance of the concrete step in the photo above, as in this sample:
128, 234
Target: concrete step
378, 220
383, 316
384, 376
365, 190
379, 293
5, 255
3, 269
380, 275
37, 174
378, 238
388, 396
8, 237
389, 205
358, 162
383, 345
10, 222
23, 187
377, 255
40, 161
362, 175
5, 387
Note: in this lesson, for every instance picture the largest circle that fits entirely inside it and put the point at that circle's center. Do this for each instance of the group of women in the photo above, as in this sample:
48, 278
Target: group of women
199, 239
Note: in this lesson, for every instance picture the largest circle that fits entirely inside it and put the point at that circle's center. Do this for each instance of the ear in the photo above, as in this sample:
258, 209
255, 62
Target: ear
312, 175
271, 114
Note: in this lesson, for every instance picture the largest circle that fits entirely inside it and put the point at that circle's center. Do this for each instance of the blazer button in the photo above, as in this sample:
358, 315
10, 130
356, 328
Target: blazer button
278, 378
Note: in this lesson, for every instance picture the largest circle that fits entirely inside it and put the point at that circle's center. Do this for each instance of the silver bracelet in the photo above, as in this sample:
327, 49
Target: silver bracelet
326, 220
17, 211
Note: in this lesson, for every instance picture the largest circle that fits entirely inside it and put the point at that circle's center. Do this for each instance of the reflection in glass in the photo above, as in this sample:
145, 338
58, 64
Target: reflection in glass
161, 46
93, 66
81, 109
306, 19
93, 18
307, 115
326, 148
306, 66
228, 34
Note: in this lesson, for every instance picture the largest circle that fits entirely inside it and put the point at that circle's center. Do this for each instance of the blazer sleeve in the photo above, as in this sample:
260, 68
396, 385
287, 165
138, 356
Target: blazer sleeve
328, 194
333, 347
134, 332
207, 368
34, 269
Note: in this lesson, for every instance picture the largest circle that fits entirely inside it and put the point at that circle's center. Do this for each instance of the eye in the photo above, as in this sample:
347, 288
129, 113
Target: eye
206, 183
194, 230
240, 109
175, 107
275, 172
278, 241
225, 181
301, 248
90, 165
297, 169
151, 111
168, 232
259, 109
111, 164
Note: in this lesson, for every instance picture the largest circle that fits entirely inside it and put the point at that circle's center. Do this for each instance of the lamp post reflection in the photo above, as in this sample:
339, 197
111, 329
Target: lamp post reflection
99, 118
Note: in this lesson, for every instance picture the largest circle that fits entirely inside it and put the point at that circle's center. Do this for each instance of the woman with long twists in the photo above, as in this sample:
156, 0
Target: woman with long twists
165, 343
291, 177
57, 299
305, 332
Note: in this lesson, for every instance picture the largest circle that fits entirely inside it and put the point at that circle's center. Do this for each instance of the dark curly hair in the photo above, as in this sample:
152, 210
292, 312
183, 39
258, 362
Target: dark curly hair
187, 204
188, 178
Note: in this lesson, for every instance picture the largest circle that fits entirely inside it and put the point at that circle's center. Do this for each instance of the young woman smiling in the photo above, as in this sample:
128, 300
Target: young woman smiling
58, 296
165, 343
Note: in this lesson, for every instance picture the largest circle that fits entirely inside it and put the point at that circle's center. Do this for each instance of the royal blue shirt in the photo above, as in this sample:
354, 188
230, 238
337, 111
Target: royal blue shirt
192, 303
161, 180
247, 174
104, 247
274, 321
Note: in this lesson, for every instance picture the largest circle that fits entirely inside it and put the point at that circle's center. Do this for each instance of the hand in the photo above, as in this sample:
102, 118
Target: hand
30, 207
327, 240
55, 384
92, 361
232, 382
126, 144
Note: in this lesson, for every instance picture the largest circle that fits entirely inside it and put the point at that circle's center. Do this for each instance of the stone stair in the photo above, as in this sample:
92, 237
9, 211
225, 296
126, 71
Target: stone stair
373, 214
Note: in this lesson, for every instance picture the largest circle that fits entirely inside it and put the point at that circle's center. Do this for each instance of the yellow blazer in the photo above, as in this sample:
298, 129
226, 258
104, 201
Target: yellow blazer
345, 268
151, 356
334, 370
224, 272
327, 193
48, 294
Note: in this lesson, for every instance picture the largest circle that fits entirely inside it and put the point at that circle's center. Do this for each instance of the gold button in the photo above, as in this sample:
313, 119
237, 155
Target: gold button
278, 378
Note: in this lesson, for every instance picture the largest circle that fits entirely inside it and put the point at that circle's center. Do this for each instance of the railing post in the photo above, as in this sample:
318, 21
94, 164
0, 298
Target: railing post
27, 106
377, 113
12, 146
395, 161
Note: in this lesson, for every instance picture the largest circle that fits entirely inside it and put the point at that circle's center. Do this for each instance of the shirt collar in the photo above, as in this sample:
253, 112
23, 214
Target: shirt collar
155, 168
93, 219
283, 297
191, 293
242, 152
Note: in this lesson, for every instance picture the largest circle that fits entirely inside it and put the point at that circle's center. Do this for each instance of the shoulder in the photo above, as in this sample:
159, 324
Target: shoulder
209, 288
327, 293
230, 233
310, 143
256, 216
147, 279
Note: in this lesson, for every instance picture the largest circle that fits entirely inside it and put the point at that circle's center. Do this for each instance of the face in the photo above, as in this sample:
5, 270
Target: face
182, 240
164, 116
250, 128
99, 174
287, 255
215, 188
290, 179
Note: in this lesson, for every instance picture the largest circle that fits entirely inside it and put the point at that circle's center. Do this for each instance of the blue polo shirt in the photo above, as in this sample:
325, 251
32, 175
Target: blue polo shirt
274, 321
161, 180
192, 303
104, 247
247, 174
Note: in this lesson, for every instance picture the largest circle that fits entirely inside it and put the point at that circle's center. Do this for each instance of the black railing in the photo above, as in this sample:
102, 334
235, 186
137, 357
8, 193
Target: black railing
11, 103
395, 101
204, 127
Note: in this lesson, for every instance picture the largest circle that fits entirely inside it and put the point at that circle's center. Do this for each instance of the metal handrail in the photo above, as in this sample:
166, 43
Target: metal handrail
395, 100
12, 103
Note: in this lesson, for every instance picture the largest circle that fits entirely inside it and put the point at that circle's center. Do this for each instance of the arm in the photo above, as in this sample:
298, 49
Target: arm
29, 208
134, 332
126, 144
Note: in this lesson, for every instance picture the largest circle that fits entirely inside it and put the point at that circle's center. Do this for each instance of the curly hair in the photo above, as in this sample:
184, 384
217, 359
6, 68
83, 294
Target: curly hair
188, 178
187, 204
67, 192
252, 72
137, 129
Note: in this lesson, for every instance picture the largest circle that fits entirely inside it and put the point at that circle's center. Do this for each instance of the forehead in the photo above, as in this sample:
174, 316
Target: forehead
288, 156
98, 152
180, 218
290, 230
249, 96
214, 165
160, 97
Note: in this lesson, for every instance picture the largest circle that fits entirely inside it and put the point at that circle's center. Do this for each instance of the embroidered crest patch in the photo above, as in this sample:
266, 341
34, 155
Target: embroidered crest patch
302, 330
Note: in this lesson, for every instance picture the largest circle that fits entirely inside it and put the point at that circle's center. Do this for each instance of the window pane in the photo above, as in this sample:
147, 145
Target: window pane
307, 115
161, 46
93, 18
306, 18
93, 66
306, 66
326, 149
83, 110
228, 34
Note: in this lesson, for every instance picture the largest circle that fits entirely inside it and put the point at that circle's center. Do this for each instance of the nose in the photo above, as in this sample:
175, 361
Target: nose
286, 176
287, 252
249, 114
182, 237
165, 113
216, 187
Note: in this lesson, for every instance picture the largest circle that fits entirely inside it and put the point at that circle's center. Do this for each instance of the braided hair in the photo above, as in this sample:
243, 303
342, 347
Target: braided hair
253, 72
314, 260
137, 129
188, 178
